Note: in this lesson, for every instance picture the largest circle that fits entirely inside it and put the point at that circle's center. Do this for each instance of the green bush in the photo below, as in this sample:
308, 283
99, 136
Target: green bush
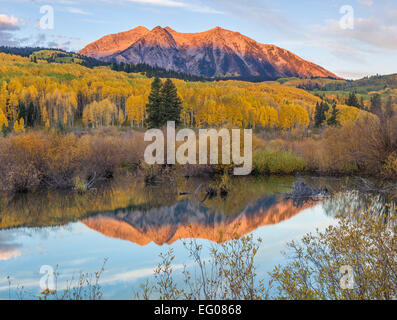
271, 161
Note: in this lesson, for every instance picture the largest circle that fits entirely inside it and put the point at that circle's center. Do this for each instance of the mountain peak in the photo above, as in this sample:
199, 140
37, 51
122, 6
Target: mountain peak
217, 52
113, 43
139, 28
222, 30
170, 30
158, 28
217, 30
159, 37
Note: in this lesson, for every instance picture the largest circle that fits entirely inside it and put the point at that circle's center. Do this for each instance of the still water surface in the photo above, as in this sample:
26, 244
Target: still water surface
131, 224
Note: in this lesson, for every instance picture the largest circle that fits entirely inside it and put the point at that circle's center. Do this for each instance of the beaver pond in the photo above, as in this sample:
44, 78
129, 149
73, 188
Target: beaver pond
131, 223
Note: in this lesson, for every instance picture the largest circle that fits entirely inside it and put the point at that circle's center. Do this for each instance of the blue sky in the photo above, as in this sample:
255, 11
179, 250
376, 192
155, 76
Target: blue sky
309, 28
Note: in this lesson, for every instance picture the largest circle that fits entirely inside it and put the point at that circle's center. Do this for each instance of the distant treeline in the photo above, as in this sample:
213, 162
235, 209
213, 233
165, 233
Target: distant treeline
151, 72
89, 62
23, 51
364, 85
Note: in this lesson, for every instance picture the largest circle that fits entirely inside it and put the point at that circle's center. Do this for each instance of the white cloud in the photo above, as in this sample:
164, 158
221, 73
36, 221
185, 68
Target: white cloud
8, 249
78, 11
178, 4
367, 3
96, 21
133, 274
369, 31
163, 3
352, 75
263, 13
8, 23
8, 254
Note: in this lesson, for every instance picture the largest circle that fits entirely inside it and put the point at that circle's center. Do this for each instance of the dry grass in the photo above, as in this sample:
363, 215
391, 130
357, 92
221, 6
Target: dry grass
271, 161
367, 146
37, 158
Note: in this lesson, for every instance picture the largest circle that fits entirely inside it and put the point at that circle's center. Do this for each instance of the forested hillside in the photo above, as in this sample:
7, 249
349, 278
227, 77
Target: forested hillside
364, 85
340, 90
35, 92
61, 56
81, 103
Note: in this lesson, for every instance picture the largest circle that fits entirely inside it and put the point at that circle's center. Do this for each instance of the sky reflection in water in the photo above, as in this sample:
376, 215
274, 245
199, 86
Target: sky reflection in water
132, 226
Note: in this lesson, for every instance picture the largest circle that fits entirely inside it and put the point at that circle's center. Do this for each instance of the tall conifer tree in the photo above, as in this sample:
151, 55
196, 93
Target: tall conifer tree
376, 104
332, 121
170, 102
319, 117
154, 106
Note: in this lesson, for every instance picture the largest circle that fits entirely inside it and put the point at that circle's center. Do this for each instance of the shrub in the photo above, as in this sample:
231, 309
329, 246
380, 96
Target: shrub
364, 242
271, 161
31, 159
364, 146
21, 161
390, 167
62, 160
228, 273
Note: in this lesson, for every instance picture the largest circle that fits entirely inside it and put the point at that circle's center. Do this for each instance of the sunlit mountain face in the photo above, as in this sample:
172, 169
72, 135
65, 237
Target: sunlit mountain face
213, 53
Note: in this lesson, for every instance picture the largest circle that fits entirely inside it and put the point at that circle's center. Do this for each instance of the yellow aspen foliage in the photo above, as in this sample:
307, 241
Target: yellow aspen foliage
293, 116
268, 117
102, 113
19, 126
121, 118
135, 109
347, 114
3, 119
3, 97
61, 93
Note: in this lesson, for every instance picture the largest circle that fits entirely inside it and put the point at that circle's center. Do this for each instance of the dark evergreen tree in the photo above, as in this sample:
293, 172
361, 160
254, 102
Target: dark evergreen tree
319, 117
389, 107
171, 104
362, 105
376, 104
353, 101
22, 111
5, 130
332, 121
28, 114
31, 115
153, 108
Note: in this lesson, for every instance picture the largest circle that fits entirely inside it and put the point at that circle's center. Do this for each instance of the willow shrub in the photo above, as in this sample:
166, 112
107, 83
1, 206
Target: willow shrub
35, 159
365, 242
270, 161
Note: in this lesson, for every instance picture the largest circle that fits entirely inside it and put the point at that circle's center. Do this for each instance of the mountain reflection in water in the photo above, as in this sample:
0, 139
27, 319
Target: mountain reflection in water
190, 219
127, 209
130, 223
